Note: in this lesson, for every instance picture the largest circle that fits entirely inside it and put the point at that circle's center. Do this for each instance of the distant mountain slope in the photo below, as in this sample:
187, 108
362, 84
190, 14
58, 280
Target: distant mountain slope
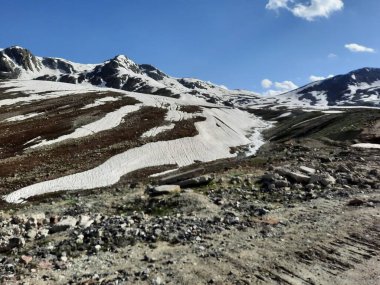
357, 88
119, 72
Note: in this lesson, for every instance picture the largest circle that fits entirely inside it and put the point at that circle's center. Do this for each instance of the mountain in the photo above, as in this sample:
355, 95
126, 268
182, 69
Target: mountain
119, 72
357, 88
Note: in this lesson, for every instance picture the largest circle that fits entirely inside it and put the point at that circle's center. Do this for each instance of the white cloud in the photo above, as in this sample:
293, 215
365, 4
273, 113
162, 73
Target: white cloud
280, 87
266, 83
317, 8
313, 78
285, 85
313, 9
276, 4
358, 48
332, 55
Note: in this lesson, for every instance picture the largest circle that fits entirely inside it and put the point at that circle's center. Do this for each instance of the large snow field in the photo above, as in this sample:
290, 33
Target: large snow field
222, 129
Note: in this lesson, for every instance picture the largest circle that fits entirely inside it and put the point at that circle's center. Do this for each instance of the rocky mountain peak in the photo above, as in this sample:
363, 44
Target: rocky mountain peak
15, 59
121, 61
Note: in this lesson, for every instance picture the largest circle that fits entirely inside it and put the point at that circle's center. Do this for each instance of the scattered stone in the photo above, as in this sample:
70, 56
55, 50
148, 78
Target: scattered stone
310, 187
157, 281
356, 202
16, 242
324, 179
26, 259
281, 183
31, 234
261, 211
43, 233
85, 221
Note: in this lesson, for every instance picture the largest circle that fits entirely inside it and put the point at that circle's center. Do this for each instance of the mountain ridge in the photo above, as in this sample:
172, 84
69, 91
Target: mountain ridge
119, 72
360, 87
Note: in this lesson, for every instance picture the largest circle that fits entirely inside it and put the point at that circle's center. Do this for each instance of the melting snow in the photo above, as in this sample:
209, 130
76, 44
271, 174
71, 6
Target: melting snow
287, 114
367, 145
332, 112
22, 117
222, 129
100, 102
109, 121
155, 131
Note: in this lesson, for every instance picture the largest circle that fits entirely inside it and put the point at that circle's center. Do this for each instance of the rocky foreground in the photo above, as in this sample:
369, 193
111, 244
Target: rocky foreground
301, 212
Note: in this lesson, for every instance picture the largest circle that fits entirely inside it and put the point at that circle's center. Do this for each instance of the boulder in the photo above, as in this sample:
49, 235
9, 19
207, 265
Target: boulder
196, 182
175, 178
31, 234
295, 176
85, 221
324, 179
281, 183
307, 170
164, 190
63, 225
16, 242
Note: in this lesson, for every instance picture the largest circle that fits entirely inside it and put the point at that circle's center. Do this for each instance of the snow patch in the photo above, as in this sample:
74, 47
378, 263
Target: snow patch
222, 129
332, 112
22, 117
100, 102
367, 145
109, 121
155, 131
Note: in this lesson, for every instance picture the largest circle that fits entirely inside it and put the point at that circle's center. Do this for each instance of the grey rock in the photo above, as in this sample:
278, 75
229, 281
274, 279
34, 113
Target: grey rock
164, 190
85, 221
310, 186
31, 234
297, 177
269, 177
157, 281
307, 170
64, 224
197, 181
324, 179
43, 233
261, 211
16, 242
281, 183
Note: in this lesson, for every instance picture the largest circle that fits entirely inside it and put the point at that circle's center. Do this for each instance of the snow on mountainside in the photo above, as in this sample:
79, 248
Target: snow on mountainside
69, 137
119, 72
357, 88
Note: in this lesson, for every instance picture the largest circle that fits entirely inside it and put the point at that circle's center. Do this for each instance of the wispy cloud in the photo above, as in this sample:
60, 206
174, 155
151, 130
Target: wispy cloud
266, 83
313, 78
279, 87
358, 48
332, 55
310, 11
285, 85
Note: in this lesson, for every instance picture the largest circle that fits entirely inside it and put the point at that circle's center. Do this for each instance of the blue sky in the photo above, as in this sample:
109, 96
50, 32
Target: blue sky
237, 43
